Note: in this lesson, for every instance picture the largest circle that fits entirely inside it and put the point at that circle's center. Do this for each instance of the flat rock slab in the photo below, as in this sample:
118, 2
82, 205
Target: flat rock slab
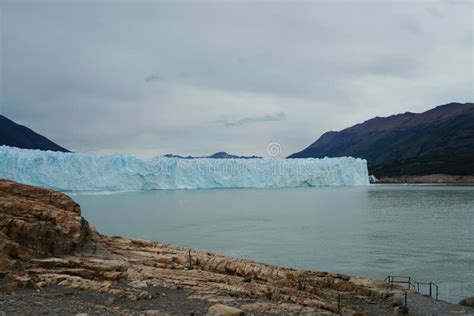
224, 310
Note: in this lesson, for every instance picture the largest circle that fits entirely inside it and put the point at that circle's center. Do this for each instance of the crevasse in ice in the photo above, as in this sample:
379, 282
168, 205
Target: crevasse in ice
84, 172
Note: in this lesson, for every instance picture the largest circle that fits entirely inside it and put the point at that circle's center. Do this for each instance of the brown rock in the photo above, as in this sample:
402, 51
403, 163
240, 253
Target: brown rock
224, 310
138, 284
467, 301
36, 222
110, 301
8, 284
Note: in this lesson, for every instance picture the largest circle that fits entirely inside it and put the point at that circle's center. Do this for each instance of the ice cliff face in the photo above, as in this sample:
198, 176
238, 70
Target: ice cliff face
82, 172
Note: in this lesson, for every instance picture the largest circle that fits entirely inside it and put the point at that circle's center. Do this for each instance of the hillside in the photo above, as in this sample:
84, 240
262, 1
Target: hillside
440, 140
15, 135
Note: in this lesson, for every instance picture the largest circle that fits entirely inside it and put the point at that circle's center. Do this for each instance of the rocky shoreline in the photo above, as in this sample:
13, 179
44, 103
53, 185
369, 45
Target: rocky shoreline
429, 179
53, 262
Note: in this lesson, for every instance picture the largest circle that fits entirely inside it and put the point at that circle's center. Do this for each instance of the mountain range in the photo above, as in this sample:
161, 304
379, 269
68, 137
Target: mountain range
218, 155
15, 135
440, 140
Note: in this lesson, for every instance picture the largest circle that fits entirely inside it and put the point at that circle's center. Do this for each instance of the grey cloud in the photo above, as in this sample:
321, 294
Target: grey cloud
256, 119
152, 76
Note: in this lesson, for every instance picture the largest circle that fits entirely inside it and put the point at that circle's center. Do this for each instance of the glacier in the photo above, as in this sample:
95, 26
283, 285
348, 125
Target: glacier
86, 172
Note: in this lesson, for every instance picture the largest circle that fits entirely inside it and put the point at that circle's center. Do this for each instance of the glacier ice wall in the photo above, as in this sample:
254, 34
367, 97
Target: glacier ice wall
83, 172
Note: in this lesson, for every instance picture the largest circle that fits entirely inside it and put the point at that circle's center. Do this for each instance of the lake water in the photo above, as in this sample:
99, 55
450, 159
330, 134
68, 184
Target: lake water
426, 232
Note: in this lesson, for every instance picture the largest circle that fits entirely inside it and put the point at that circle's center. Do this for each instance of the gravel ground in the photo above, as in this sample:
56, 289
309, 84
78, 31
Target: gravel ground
57, 300
419, 304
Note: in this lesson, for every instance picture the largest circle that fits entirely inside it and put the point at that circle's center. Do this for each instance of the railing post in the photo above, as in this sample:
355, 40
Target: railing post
405, 308
436, 292
409, 282
190, 261
430, 289
339, 304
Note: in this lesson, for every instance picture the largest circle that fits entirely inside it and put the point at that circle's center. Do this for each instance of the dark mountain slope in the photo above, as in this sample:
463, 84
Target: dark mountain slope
436, 141
15, 135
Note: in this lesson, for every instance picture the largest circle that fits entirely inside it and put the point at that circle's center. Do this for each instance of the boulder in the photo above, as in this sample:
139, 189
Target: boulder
467, 301
224, 310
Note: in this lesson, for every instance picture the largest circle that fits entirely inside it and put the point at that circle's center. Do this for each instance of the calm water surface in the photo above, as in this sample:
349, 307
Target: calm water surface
423, 231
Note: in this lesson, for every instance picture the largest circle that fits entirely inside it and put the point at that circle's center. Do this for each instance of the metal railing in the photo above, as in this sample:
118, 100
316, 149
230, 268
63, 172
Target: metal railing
400, 279
432, 286
412, 284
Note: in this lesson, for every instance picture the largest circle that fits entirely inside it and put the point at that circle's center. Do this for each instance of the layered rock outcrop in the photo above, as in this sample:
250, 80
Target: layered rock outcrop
35, 223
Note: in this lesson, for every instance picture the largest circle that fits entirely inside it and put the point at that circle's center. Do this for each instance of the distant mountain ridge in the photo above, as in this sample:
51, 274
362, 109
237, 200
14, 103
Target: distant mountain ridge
15, 135
218, 155
435, 141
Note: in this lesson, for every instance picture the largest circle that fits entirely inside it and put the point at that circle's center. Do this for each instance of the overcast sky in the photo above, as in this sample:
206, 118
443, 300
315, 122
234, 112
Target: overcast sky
198, 77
